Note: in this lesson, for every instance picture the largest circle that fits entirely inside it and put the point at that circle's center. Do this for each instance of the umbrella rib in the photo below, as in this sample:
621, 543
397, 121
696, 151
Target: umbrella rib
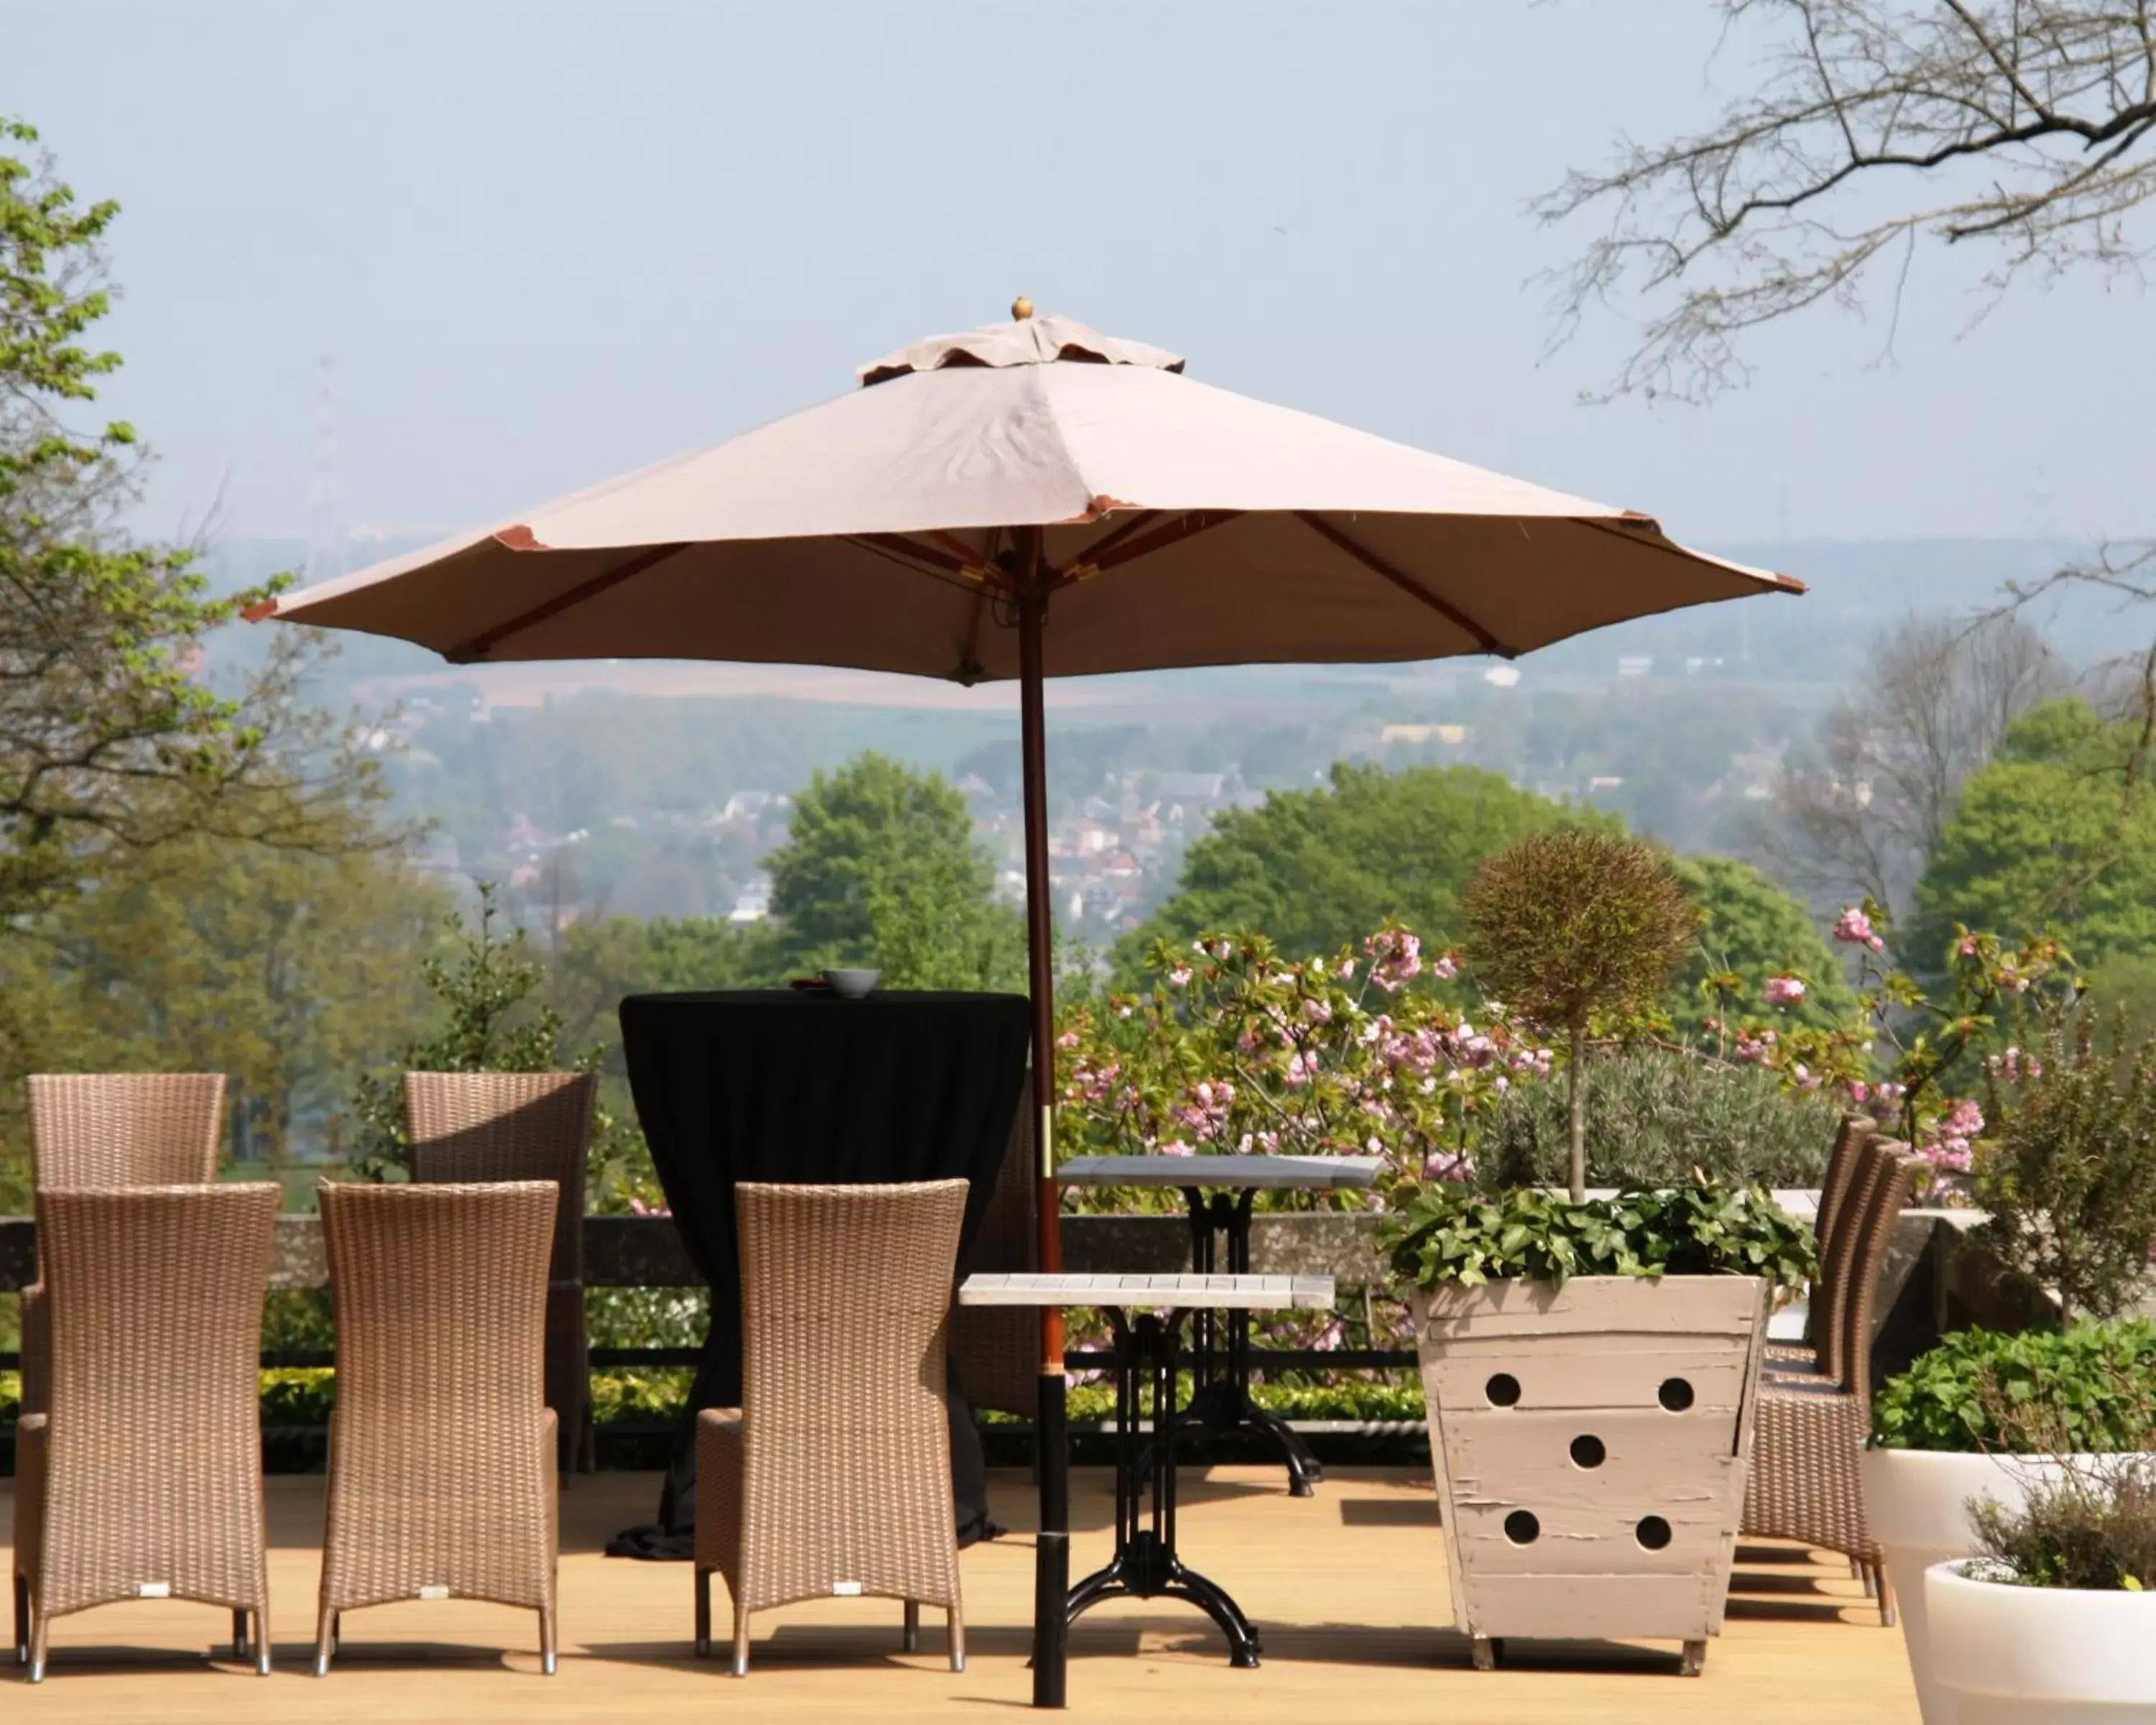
1779, 584
896, 548
1415, 589
1184, 526
480, 645
1115, 536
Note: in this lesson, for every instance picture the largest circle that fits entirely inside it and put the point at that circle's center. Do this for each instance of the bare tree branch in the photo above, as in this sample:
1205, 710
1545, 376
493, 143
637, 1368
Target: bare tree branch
2021, 124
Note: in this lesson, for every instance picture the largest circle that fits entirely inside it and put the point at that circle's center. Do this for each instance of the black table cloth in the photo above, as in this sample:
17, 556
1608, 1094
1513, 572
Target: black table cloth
804, 1087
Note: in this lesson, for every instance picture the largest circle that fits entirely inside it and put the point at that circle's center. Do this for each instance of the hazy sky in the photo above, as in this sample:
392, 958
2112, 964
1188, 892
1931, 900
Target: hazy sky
547, 243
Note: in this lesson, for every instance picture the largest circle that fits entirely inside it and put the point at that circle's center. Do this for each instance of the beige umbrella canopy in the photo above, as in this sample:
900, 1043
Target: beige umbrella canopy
1179, 525
1031, 500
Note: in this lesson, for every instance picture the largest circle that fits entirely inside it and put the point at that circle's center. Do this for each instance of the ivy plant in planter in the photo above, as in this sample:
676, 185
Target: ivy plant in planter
1984, 1419
2052, 1621
1589, 1369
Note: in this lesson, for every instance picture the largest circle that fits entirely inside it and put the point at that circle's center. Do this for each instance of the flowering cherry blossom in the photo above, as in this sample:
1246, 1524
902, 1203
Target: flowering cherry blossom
1785, 990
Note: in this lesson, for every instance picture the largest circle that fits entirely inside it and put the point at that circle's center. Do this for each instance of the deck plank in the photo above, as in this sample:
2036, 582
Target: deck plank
1349, 1588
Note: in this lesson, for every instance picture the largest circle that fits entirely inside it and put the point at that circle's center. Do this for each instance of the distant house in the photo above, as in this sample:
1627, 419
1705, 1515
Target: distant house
753, 902
1451, 735
747, 805
1635, 665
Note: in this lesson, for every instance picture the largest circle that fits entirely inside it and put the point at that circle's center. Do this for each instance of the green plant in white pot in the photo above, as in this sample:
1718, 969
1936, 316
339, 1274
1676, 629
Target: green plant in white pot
1982, 1418
2052, 1623
1590, 1370
2069, 1177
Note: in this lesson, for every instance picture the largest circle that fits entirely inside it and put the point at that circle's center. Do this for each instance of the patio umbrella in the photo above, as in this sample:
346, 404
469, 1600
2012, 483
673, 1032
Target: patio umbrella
1031, 499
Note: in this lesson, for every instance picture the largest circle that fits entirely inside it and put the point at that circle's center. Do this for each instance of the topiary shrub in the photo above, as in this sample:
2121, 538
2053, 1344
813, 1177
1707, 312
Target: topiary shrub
1566, 924
1653, 1117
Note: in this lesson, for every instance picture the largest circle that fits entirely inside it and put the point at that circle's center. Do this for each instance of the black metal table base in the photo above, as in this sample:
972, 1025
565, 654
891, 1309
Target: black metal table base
1146, 1565
1220, 1403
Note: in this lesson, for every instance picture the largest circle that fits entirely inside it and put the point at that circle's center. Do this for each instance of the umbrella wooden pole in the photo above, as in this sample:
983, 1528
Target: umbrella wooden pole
1051, 1452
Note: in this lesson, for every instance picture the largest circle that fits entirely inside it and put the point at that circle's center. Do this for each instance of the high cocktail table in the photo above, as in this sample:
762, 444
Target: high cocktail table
1220, 1342
1146, 1315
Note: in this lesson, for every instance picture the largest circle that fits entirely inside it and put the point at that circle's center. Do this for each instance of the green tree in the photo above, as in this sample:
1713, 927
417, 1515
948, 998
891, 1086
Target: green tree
111, 741
1318, 869
490, 1018
881, 867
1751, 929
2056, 835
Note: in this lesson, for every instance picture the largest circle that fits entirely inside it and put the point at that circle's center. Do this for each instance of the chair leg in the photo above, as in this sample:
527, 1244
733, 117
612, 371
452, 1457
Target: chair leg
262, 1643
324, 1641
239, 1642
1886, 1613
909, 1642
957, 1639
21, 1619
547, 1660
38, 1630
703, 1614
741, 1640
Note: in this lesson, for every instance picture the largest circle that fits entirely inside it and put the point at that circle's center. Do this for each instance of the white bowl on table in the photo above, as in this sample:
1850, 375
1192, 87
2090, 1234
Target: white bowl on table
851, 984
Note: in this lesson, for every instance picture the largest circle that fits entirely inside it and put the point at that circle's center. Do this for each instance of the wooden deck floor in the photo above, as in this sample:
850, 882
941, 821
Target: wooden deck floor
1349, 1588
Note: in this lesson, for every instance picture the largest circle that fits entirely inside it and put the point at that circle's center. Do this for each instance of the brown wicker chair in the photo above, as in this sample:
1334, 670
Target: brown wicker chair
1834, 1231
1809, 1430
92, 1132
442, 1464
834, 1477
523, 1126
143, 1478
995, 1350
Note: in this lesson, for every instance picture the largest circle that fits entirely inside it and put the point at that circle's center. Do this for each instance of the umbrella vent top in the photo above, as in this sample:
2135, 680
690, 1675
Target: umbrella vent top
1033, 340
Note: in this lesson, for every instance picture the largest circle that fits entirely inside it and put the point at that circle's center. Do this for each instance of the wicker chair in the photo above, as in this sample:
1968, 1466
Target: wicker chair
834, 1477
143, 1478
442, 1464
92, 1132
523, 1126
1833, 1230
1809, 1429
995, 1350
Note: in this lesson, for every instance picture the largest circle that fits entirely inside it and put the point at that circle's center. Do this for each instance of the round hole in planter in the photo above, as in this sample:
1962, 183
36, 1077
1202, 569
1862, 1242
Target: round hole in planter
1587, 1450
1522, 1527
1675, 1394
1503, 1390
1652, 1532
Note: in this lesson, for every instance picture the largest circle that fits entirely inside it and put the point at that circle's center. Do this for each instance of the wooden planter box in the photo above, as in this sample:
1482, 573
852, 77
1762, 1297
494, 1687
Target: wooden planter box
1590, 1444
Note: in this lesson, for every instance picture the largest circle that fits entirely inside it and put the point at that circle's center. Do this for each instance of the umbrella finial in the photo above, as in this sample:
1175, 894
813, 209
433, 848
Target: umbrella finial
1021, 308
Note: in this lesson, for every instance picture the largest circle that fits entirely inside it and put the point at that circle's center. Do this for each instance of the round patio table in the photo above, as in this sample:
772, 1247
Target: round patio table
805, 1087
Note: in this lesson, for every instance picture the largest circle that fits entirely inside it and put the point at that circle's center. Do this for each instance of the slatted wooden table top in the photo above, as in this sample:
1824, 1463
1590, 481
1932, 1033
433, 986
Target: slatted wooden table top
1183, 1290
1266, 1173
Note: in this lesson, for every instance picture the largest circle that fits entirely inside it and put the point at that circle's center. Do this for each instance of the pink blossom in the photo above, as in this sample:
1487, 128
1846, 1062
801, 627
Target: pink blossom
1174, 1147
1854, 927
1069, 1039
1444, 967
1317, 1011
1965, 1120
1223, 950
1859, 1090
1968, 946
1891, 1093
1179, 976
1298, 1074
1785, 990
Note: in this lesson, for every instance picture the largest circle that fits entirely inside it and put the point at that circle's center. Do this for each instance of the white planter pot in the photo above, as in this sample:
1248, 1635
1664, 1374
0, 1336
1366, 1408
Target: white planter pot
1915, 1503
2037, 1655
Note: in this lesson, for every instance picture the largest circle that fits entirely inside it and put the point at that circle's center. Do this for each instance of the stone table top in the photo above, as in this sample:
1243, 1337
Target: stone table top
1270, 1173
1181, 1291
